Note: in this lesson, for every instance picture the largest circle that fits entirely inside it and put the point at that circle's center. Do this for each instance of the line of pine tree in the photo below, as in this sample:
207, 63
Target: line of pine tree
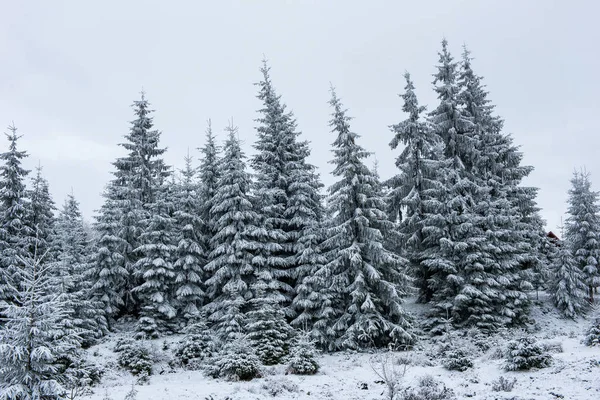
260, 255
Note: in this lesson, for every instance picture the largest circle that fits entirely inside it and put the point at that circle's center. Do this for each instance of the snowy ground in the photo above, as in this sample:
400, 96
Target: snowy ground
575, 373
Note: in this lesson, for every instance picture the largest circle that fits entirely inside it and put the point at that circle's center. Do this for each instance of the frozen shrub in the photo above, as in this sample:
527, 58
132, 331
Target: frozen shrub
132, 394
482, 341
456, 360
302, 358
503, 384
525, 353
592, 335
237, 361
454, 355
134, 357
122, 344
552, 346
196, 346
389, 372
275, 387
497, 353
417, 359
428, 389
88, 373
80, 376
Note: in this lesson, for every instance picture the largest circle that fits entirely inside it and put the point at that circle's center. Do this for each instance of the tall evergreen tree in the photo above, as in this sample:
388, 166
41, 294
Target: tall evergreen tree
84, 312
190, 256
155, 267
414, 191
121, 221
306, 213
454, 241
476, 253
40, 216
310, 294
286, 192
582, 229
15, 234
567, 286
365, 280
108, 273
209, 174
209, 171
491, 286
499, 170
236, 244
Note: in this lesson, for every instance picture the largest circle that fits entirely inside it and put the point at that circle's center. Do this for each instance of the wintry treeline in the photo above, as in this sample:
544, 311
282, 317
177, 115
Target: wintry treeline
254, 248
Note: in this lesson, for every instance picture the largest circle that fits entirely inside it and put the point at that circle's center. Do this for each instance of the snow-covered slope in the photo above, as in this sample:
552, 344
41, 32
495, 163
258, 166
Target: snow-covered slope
574, 374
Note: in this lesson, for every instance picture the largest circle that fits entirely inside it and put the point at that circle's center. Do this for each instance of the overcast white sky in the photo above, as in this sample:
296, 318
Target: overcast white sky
71, 69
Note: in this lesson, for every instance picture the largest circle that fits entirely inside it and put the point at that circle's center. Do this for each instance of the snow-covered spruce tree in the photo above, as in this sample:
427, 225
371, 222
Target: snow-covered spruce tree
310, 294
365, 280
209, 174
582, 229
493, 281
70, 271
287, 193
498, 168
197, 346
305, 214
567, 286
121, 220
190, 257
15, 234
157, 251
525, 353
236, 361
35, 345
267, 329
475, 255
414, 191
231, 263
108, 273
40, 216
302, 356
452, 237
592, 334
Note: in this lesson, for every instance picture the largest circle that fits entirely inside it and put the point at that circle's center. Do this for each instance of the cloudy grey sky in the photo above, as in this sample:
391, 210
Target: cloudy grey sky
71, 69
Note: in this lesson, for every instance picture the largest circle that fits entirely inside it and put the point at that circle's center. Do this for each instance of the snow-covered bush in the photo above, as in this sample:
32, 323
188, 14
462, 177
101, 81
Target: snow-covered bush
592, 335
503, 384
196, 346
236, 361
455, 357
481, 341
302, 358
457, 360
525, 353
80, 376
428, 389
134, 357
275, 387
